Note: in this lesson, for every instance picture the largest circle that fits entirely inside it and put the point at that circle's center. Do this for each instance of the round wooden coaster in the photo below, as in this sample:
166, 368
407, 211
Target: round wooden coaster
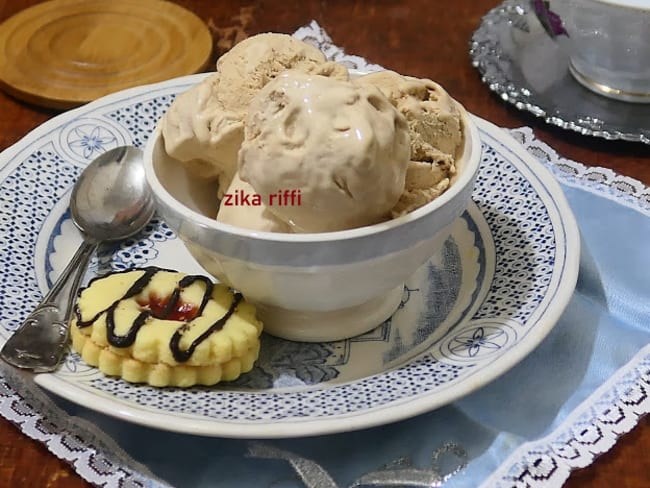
63, 53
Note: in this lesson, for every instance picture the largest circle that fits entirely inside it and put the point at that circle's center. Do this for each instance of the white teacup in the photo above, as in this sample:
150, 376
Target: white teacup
607, 41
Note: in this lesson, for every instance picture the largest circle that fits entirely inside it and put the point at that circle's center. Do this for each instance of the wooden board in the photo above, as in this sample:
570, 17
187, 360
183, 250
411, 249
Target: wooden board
63, 53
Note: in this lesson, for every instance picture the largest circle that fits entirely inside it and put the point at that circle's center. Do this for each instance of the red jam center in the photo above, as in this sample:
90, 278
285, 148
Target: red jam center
181, 312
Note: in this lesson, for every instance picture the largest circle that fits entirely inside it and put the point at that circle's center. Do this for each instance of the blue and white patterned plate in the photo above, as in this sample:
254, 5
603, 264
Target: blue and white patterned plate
477, 308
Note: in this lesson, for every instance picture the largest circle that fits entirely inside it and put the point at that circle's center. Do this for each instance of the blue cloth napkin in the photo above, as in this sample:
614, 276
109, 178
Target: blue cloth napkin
568, 401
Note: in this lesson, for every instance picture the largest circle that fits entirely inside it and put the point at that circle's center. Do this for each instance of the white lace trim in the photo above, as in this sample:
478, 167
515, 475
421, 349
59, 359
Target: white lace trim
315, 35
602, 181
91, 452
590, 430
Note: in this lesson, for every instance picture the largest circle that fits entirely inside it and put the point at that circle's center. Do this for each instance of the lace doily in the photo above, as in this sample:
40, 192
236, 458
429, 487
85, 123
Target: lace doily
591, 429
91, 452
603, 181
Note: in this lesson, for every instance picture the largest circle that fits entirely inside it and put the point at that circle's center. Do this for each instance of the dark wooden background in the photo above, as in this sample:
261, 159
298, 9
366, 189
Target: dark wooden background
423, 38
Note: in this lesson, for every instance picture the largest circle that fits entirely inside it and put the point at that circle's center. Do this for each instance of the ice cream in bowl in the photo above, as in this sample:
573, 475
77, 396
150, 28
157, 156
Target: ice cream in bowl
314, 191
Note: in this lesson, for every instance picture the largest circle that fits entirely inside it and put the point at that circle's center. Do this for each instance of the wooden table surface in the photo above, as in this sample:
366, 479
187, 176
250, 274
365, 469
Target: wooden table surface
410, 37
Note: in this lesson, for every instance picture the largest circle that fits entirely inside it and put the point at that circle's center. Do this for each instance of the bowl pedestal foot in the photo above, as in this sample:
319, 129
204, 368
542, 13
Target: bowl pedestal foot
330, 325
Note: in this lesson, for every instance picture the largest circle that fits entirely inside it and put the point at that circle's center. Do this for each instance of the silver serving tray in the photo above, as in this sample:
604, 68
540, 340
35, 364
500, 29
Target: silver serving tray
520, 62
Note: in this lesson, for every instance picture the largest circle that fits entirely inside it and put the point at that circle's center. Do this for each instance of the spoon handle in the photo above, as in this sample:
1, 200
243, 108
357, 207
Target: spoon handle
41, 340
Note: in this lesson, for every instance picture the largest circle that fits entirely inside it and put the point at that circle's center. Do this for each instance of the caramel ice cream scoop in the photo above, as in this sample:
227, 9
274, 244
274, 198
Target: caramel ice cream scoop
204, 127
343, 146
435, 128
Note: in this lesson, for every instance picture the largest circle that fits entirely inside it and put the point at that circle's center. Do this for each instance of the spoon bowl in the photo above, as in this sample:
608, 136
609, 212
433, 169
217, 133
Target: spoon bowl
110, 201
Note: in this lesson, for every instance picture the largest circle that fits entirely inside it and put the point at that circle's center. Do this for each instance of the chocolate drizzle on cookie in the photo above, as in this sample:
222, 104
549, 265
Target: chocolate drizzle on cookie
166, 313
182, 356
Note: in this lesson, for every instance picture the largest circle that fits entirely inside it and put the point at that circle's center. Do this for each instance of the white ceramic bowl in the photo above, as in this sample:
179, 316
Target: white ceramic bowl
310, 287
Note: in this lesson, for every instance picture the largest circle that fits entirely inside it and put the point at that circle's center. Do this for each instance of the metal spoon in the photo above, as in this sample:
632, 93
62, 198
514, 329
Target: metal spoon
110, 201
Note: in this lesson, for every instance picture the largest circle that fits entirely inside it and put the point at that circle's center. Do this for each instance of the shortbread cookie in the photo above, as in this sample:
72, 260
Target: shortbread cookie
165, 328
